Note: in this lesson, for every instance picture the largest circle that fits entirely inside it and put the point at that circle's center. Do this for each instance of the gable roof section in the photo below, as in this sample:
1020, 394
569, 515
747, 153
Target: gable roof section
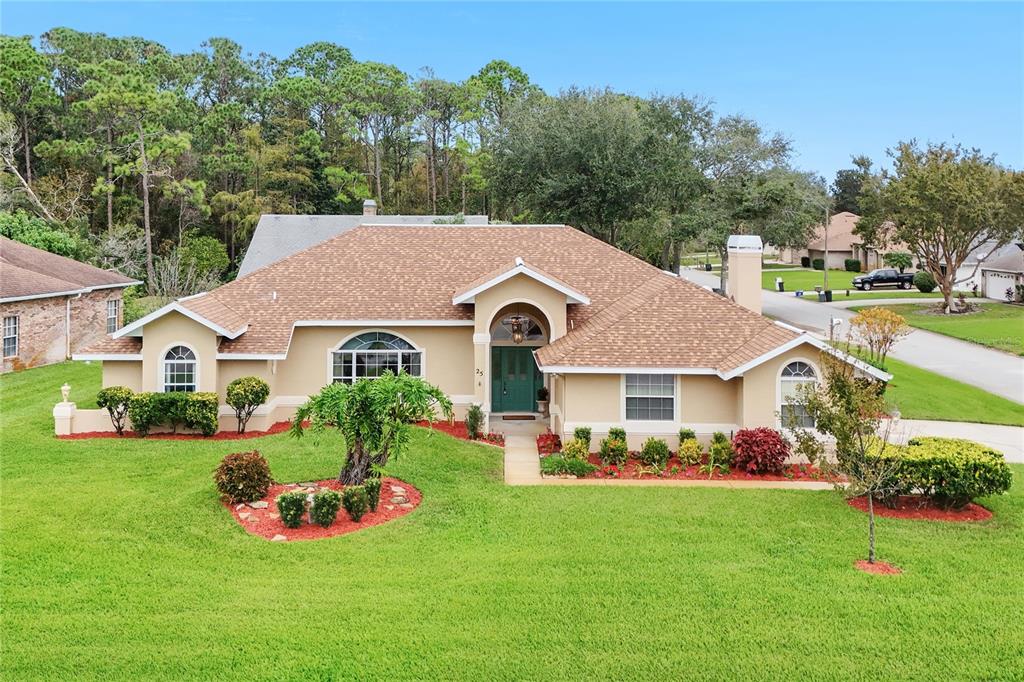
840, 233
518, 267
279, 236
27, 272
1010, 259
212, 314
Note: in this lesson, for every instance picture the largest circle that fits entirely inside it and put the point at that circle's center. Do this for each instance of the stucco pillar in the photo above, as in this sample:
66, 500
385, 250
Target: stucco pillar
482, 376
63, 418
744, 283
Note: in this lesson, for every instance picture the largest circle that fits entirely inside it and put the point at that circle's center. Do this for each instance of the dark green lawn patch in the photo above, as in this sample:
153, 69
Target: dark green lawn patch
119, 562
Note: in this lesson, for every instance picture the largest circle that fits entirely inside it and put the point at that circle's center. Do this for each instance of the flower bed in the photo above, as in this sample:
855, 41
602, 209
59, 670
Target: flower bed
279, 427
459, 430
266, 522
634, 468
920, 508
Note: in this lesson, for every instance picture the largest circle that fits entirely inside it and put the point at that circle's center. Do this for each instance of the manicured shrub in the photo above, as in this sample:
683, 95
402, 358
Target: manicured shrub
474, 421
720, 452
244, 395
142, 412
805, 261
617, 433
195, 410
818, 263
292, 507
372, 486
759, 451
325, 507
557, 465
575, 449
654, 452
243, 477
355, 501
690, 451
583, 433
924, 281
949, 471
613, 451
201, 412
852, 265
115, 400
687, 434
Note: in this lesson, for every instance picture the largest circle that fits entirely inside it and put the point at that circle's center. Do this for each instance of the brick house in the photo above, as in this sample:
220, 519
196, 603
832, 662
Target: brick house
52, 306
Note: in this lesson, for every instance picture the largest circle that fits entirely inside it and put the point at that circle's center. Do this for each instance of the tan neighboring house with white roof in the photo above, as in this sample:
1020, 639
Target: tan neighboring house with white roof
490, 314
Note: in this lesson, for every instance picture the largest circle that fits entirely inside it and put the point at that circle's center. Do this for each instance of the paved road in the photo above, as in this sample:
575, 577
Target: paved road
991, 370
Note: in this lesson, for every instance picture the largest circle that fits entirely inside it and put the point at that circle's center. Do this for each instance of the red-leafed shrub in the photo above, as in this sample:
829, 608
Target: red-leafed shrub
243, 477
759, 451
548, 443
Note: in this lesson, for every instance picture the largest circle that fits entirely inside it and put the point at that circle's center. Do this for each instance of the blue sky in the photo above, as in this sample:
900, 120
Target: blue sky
838, 79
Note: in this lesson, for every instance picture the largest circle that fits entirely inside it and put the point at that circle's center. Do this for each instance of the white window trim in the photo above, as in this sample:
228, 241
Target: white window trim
337, 347
161, 360
646, 424
117, 314
778, 386
16, 337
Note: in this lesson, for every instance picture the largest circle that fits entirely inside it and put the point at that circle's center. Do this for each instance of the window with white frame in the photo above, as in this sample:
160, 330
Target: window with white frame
11, 336
369, 355
795, 375
650, 397
179, 370
113, 314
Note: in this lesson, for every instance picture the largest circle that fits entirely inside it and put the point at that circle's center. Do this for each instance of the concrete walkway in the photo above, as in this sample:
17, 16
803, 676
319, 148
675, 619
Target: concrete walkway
1007, 439
522, 461
990, 370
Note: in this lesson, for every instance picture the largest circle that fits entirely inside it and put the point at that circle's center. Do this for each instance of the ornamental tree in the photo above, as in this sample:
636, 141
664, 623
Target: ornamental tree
879, 329
244, 395
374, 416
943, 202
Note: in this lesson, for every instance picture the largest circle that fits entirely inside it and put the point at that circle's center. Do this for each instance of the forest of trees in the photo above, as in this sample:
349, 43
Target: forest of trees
118, 151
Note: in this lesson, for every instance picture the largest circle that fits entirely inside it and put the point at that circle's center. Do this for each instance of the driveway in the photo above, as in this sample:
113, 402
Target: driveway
990, 370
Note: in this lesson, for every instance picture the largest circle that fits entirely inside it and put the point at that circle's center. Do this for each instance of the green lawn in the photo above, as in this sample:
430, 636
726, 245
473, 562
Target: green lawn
119, 563
838, 280
996, 325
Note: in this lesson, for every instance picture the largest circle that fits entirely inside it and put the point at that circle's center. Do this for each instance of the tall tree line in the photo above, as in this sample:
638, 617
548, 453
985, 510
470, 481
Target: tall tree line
134, 149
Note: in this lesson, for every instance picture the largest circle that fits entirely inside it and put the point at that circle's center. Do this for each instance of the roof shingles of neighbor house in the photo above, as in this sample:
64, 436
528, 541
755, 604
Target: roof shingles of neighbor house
840, 233
638, 315
28, 272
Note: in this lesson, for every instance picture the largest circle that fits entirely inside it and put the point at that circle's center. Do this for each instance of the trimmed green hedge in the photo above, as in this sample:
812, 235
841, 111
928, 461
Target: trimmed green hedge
196, 411
949, 471
818, 263
851, 265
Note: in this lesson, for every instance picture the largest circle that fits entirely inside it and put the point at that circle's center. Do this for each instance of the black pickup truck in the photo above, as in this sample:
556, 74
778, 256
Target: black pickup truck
884, 277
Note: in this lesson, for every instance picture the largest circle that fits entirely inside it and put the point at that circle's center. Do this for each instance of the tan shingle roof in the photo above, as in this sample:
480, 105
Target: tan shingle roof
28, 271
127, 345
638, 316
840, 233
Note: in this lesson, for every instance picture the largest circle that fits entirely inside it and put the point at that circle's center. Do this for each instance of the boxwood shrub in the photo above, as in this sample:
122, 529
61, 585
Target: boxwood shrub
372, 486
924, 281
852, 265
324, 509
949, 471
759, 451
617, 433
292, 507
115, 400
654, 452
193, 410
583, 433
355, 501
687, 434
243, 477
818, 263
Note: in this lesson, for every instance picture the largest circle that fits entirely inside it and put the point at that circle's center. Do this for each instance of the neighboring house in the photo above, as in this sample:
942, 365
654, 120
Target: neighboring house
278, 236
1003, 272
970, 275
52, 306
843, 244
489, 315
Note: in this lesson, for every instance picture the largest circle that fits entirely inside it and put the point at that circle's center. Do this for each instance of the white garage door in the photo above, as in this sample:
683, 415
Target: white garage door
996, 284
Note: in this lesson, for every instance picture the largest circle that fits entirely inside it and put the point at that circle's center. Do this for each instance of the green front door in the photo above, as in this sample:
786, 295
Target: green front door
514, 379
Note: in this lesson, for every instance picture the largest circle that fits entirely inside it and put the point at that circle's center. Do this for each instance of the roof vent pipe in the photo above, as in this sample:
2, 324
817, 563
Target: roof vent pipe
369, 207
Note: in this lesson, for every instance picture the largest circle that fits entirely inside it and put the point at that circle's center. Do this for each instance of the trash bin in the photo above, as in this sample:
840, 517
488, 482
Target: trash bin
828, 295
779, 284
821, 297
707, 267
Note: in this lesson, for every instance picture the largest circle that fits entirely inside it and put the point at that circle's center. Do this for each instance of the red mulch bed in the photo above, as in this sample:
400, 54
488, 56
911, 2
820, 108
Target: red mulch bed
878, 568
458, 430
792, 472
279, 427
266, 524
919, 508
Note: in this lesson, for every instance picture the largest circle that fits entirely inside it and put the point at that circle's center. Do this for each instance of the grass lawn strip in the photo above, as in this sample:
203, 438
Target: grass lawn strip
995, 325
121, 563
838, 280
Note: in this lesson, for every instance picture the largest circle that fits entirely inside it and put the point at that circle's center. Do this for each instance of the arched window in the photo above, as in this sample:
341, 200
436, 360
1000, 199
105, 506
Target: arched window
532, 330
795, 375
180, 370
369, 355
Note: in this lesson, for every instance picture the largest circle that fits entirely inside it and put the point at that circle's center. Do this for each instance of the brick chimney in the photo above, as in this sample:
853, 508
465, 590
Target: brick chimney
369, 207
744, 283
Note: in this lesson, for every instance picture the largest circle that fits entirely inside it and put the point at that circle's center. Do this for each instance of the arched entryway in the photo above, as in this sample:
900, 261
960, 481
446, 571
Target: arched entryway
516, 331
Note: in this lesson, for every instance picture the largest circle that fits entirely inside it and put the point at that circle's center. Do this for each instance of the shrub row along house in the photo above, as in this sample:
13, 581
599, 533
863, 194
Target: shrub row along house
53, 306
490, 315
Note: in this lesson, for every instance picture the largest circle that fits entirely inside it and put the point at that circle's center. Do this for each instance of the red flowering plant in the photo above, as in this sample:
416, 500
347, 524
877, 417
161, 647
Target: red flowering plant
759, 451
494, 438
548, 443
611, 471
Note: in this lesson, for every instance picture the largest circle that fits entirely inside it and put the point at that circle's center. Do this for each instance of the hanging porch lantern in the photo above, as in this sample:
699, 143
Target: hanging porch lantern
518, 336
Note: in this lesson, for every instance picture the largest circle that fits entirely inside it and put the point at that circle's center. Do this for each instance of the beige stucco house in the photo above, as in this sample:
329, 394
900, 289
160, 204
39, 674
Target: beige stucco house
489, 314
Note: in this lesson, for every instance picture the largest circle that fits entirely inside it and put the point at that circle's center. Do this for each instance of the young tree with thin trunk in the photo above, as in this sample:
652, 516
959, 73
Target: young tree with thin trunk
943, 202
879, 329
